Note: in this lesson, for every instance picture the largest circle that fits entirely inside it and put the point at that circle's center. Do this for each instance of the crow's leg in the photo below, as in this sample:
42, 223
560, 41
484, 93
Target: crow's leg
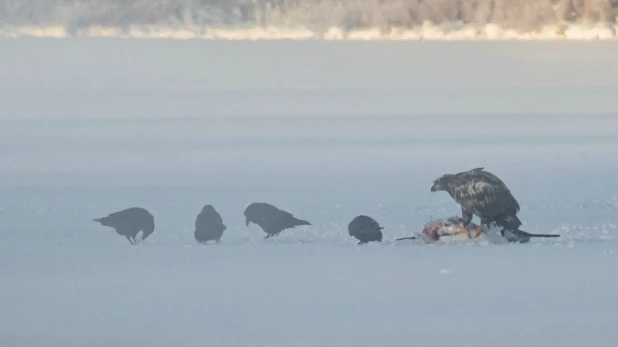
273, 234
130, 240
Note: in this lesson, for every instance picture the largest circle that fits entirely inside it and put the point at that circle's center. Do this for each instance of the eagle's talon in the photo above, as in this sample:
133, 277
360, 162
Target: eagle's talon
478, 230
462, 230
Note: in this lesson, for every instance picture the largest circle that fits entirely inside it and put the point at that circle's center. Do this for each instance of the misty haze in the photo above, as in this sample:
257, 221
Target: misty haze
325, 120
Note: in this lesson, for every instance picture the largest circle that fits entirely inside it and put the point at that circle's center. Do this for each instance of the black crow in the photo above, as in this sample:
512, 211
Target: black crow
365, 229
130, 222
271, 219
209, 225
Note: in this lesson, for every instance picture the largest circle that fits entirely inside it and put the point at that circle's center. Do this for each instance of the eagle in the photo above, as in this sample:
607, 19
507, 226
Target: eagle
481, 193
271, 219
209, 225
130, 222
365, 229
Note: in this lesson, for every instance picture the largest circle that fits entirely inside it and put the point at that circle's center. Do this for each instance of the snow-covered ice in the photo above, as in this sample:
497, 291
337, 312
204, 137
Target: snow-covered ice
328, 131
75, 293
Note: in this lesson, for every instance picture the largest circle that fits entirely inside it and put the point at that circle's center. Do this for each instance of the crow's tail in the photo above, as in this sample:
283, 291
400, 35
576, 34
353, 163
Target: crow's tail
301, 222
104, 221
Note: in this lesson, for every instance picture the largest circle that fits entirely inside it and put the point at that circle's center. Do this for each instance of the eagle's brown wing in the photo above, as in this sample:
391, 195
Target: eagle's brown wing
478, 190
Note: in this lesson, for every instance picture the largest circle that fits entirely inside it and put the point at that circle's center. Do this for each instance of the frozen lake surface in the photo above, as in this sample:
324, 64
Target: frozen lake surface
326, 131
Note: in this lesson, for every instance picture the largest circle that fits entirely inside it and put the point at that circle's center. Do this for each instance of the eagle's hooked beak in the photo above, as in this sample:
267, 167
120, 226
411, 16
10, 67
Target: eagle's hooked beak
247, 221
435, 187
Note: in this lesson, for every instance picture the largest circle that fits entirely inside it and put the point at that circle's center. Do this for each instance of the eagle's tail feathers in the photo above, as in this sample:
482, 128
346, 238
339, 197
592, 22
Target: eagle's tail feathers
543, 235
536, 235
522, 236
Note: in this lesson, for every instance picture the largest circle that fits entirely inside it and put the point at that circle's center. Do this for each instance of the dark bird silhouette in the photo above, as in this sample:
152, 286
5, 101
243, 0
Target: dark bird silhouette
271, 219
365, 229
130, 222
520, 236
208, 225
481, 193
